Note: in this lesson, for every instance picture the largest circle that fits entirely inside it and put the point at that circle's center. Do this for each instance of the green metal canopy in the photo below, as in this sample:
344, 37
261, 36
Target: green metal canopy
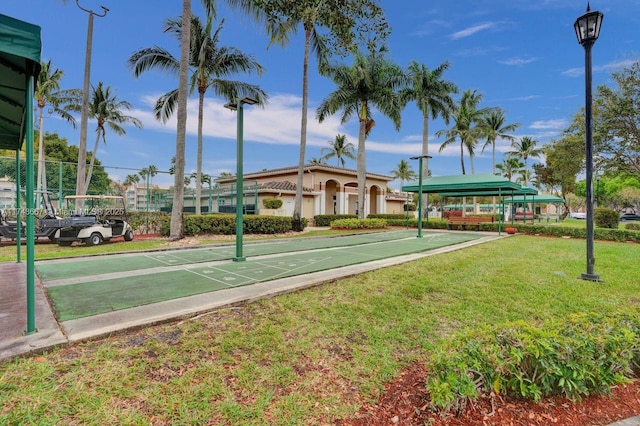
465, 185
20, 48
538, 199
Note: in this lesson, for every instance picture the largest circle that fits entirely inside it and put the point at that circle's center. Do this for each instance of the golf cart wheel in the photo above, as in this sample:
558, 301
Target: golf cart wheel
94, 239
65, 243
53, 238
128, 236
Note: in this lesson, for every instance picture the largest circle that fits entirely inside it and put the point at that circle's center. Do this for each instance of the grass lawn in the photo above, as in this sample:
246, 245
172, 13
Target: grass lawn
315, 356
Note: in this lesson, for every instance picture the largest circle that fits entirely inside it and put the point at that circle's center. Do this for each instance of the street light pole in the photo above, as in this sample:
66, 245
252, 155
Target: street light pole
419, 158
238, 106
587, 29
84, 116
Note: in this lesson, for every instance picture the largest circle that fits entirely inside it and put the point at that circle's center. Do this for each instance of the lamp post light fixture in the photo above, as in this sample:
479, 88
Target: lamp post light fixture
587, 29
238, 106
420, 158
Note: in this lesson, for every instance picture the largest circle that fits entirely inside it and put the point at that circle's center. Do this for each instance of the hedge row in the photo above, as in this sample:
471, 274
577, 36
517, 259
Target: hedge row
619, 235
326, 219
584, 354
225, 224
358, 224
147, 222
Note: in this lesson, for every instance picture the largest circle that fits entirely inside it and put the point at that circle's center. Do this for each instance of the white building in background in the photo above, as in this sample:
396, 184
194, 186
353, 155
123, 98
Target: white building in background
136, 196
7, 193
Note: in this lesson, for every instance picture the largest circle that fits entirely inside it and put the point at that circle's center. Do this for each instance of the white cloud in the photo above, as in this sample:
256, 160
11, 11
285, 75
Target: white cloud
577, 72
472, 30
518, 61
557, 124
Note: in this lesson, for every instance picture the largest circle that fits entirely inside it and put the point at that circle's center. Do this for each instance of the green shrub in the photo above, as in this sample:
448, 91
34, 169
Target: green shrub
326, 219
632, 226
358, 224
387, 216
410, 207
581, 355
147, 222
606, 218
272, 203
225, 224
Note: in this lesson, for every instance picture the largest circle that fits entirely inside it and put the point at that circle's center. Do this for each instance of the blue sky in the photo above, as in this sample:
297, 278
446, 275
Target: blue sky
522, 55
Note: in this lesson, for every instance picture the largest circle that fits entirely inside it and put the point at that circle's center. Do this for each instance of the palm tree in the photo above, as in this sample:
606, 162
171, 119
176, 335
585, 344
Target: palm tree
131, 179
317, 161
525, 148
108, 110
432, 95
210, 65
403, 172
340, 148
48, 92
510, 167
370, 82
339, 17
466, 127
494, 127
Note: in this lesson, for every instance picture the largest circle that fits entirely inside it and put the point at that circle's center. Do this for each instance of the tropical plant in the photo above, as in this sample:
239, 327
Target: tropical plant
107, 110
494, 127
339, 148
466, 126
403, 172
524, 148
210, 64
345, 21
510, 167
48, 92
317, 161
370, 82
131, 179
432, 95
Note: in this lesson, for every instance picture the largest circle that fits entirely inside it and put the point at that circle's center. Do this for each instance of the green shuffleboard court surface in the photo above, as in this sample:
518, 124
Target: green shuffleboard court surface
116, 289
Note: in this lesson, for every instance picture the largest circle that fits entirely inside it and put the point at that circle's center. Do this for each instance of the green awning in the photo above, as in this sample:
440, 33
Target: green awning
538, 199
20, 47
465, 185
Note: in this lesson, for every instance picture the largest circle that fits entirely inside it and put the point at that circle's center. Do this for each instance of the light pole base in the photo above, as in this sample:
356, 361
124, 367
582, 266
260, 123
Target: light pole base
590, 277
239, 259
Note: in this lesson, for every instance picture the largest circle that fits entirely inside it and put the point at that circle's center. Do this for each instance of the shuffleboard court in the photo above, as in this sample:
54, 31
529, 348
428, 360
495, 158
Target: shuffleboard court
82, 296
69, 268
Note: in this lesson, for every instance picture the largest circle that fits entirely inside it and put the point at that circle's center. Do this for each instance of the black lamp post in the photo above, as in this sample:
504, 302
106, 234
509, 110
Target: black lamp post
420, 192
587, 30
237, 106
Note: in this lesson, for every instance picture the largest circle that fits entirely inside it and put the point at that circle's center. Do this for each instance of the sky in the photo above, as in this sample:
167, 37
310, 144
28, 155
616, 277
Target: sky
521, 55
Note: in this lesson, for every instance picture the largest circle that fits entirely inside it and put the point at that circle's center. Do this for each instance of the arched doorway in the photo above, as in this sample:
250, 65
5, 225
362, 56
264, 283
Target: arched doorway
332, 202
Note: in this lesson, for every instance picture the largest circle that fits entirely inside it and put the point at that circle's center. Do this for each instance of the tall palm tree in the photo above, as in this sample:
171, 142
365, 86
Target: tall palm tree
525, 148
340, 148
107, 109
466, 126
370, 82
338, 17
432, 95
403, 172
210, 64
48, 92
510, 167
317, 161
494, 126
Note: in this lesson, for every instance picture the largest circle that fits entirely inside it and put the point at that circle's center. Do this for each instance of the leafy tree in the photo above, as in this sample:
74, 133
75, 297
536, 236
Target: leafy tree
226, 175
616, 116
466, 127
370, 82
345, 22
211, 66
432, 95
403, 172
510, 167
493, 127
564, 160
524, 148
340, 148
48, 93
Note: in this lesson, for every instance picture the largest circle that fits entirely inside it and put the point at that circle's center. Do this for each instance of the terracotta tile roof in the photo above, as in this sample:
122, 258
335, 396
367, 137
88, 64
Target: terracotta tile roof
282, 186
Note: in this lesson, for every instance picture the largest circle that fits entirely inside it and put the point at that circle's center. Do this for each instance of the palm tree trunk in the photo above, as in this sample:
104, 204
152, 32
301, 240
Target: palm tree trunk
425, 153
199, 160
362, 165
178, 183
462, 155
92, 162
297, 208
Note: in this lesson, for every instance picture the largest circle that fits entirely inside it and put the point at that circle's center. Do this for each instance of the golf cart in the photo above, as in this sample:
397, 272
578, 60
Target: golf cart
10, 217
102, 217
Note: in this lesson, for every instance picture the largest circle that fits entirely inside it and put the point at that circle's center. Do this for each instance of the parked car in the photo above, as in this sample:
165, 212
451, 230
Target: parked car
578, 215
626, 217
